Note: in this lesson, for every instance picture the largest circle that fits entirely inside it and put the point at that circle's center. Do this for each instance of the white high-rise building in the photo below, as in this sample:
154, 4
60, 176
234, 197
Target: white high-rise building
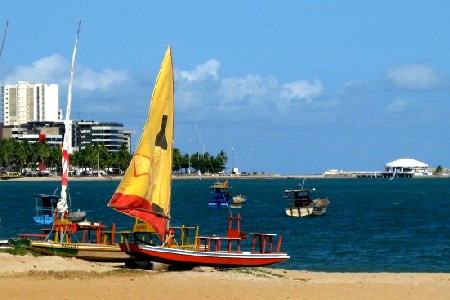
27, 101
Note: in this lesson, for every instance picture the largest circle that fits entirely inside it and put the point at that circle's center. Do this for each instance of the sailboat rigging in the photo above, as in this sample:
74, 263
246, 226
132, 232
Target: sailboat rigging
48, 205
4, 38
96, 243
394, 174
62, 203
221, 196
145, 193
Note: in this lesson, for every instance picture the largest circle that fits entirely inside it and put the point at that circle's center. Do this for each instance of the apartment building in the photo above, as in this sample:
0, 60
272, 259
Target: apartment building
27, 101
84, 133
109, 134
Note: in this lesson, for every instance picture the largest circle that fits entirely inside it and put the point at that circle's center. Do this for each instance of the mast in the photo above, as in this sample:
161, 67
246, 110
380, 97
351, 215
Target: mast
4, 38
62, 203
201, 141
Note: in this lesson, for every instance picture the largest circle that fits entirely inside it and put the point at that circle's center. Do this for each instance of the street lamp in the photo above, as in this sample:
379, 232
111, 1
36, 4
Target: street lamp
224, 149
253, 161
189, 157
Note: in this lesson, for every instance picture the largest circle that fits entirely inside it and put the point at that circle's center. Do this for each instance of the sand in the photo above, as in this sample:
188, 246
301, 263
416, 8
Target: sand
45, 277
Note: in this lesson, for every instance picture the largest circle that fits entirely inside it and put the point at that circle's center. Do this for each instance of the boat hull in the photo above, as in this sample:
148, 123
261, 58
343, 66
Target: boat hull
239, 199
305, 211
47, 219
215, 204
44, 220
222, 259
85, 251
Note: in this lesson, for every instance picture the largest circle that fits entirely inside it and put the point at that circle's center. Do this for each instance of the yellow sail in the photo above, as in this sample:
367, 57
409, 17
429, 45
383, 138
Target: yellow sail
144, 191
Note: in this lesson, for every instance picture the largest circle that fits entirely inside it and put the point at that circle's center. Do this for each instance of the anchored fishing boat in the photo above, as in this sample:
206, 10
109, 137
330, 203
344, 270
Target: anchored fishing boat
47, 204
145, 193
97, 243
302, 205
45, 210
221, 196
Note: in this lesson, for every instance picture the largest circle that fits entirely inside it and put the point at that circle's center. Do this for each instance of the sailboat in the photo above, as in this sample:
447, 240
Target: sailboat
145, 193
97, 244
46, 204
394, 174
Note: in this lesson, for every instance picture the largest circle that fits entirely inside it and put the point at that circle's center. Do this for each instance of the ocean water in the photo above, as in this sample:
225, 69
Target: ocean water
371, 225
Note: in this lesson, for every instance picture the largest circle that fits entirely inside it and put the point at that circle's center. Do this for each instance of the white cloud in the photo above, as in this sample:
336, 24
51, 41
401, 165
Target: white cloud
47, 70
413, 77
302, 90
356, 85
55, 69
90, 80
248, 86
207, 70
398, 106
202, 94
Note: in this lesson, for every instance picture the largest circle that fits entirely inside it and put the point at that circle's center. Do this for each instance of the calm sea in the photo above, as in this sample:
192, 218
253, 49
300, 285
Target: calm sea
372, 225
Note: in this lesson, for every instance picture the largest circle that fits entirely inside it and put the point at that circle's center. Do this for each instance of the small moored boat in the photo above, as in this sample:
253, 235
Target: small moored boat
302, 205
222, 196
45, 210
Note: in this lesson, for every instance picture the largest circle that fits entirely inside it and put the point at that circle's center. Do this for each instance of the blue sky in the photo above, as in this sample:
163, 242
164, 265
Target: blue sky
287, 87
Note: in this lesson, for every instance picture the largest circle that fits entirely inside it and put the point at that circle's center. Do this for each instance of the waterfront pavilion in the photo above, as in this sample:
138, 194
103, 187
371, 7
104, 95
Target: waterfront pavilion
406, 167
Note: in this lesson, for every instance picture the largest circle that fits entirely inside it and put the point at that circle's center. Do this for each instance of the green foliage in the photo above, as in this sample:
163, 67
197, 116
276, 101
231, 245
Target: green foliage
203, 162
20, 247
17, 251
15, 156
438, 170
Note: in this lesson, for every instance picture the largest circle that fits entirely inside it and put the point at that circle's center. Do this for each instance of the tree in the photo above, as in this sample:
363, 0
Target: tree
121, 159
8, 154
15, 155
177, 160
438, 170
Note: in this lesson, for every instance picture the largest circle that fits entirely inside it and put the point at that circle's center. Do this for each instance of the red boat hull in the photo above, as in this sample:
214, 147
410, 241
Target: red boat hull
222, 259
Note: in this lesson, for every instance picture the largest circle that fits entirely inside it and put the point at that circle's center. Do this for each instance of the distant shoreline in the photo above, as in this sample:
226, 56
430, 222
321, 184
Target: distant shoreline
194, 176
175, 177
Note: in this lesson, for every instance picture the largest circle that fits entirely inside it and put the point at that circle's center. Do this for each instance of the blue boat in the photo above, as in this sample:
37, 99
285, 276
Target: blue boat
45, 208
222, 197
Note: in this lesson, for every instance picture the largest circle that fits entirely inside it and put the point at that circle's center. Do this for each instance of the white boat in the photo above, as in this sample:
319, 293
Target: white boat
302, 205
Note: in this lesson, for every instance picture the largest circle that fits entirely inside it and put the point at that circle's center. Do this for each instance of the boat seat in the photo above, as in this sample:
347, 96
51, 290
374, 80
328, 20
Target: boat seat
233, 233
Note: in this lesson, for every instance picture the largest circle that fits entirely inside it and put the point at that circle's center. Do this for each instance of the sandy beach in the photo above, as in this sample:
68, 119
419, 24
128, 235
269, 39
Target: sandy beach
44, 277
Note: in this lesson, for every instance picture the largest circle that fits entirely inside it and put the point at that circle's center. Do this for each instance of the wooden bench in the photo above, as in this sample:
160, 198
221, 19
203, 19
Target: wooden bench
32, 236
214, 243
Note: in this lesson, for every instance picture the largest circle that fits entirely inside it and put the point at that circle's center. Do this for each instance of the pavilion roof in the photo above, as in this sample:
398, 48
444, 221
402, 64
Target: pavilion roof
407, 163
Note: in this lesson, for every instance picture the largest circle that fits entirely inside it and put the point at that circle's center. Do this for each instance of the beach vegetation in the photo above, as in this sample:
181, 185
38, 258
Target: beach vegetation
438, 170
30, 159
16, 251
